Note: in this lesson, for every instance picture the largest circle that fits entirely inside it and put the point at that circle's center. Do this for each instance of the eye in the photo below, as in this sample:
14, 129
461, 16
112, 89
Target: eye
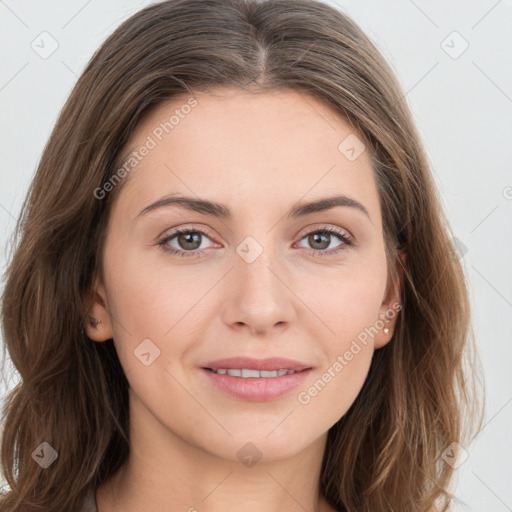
321, 239
188, 240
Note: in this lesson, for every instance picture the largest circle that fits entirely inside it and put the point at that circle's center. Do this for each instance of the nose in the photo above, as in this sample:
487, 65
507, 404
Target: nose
257, 298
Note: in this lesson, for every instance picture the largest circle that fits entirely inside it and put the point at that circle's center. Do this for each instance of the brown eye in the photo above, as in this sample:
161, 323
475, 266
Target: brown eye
185, 242
320, 240
189, 241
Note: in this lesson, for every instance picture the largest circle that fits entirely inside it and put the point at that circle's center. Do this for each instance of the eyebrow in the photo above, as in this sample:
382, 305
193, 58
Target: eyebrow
206, 207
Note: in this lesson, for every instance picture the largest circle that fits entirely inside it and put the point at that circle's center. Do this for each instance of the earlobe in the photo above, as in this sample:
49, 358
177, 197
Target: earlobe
386, 324
390, 307
97, 323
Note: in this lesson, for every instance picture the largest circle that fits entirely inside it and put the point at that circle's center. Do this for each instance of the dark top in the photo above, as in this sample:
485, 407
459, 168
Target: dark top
90, 503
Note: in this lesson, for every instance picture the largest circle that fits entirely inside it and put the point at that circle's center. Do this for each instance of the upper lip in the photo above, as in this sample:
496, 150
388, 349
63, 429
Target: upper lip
249, 363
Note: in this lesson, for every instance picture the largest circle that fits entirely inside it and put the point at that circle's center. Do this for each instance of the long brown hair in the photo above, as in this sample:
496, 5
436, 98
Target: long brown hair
385, 453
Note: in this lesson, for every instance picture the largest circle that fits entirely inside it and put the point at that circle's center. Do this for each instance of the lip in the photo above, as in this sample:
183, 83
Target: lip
269, 364
256, 389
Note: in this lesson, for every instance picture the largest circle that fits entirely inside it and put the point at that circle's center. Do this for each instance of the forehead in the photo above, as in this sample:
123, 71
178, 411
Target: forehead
237, 146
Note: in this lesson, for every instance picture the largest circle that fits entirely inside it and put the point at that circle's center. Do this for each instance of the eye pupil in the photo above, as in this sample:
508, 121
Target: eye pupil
184, 239
316, 238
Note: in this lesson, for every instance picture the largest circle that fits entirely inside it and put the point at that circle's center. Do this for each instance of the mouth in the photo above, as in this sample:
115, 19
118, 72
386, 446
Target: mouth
247, 373
269, 364
256, 380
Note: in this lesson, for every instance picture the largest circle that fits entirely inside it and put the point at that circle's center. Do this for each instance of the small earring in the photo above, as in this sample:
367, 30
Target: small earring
386, 330
94, 321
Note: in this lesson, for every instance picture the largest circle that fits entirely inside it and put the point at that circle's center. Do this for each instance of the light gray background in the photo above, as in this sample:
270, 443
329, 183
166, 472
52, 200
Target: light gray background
463, 109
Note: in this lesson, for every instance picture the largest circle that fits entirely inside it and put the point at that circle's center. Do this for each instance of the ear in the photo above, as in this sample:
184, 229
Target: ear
390, 307
97, 323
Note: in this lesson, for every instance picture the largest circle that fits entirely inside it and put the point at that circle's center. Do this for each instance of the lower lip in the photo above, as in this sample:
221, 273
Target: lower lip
256, 389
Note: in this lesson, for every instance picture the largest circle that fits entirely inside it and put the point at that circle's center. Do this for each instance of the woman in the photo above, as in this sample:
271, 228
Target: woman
233, 284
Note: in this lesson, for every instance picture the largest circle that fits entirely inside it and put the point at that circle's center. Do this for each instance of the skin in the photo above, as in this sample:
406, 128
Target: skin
258, 154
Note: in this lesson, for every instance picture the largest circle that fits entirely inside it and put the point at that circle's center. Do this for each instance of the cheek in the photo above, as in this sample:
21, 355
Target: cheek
347, 301
347, 356
151, 300
350, 307
142, 308
333, 389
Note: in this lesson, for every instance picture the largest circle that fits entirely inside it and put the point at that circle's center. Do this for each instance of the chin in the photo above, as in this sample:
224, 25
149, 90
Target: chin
260, 446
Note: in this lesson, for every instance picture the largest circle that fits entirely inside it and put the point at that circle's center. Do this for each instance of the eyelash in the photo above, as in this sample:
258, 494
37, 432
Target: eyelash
346, 239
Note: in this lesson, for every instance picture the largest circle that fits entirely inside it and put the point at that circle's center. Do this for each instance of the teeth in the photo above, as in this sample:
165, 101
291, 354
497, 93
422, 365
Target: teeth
250, 373
255, 374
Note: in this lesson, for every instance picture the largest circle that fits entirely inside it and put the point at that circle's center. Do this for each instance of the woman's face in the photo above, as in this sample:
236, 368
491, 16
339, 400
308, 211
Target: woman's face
257, 276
